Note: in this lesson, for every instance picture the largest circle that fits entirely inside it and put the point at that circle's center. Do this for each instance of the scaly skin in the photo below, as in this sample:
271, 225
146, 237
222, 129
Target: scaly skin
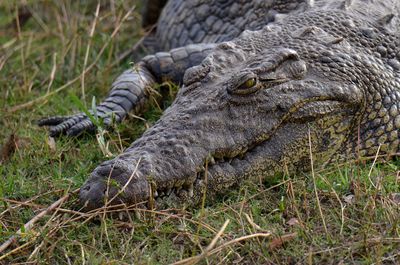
325, 74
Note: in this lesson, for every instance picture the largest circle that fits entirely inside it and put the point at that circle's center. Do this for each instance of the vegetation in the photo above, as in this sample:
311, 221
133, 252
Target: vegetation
53, 52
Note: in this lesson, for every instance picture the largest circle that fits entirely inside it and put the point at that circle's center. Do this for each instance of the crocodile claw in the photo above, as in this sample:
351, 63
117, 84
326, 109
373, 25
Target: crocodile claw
71, 125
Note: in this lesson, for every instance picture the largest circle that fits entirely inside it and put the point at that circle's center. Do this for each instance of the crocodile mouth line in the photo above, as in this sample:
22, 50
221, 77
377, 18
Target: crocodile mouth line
180, 189
186, 187
234, 161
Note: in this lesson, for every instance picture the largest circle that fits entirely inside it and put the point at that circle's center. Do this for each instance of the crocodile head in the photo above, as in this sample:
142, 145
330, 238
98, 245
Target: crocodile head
256, 106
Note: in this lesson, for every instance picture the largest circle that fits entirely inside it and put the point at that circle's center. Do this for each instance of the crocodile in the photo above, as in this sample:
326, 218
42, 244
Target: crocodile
266, 87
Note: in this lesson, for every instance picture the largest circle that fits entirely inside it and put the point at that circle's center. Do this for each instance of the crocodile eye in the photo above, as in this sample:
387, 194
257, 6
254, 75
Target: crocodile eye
248, 83
247, 87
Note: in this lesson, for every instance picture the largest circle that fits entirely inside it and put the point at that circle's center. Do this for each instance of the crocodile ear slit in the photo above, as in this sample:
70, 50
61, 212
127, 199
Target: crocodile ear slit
386, 20
389, 22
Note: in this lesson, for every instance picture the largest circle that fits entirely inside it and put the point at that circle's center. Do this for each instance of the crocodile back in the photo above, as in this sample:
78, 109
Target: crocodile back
212, 21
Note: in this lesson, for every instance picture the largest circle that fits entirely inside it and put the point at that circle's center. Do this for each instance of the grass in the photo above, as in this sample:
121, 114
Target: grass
275, 222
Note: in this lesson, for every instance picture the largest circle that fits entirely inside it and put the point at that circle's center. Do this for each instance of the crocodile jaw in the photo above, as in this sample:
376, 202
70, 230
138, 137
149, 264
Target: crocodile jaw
217, 133
176, 165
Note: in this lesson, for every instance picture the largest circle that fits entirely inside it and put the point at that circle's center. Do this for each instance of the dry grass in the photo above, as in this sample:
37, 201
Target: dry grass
346, 214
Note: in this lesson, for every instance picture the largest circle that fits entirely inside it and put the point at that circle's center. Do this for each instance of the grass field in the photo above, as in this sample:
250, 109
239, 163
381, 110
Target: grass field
51, 51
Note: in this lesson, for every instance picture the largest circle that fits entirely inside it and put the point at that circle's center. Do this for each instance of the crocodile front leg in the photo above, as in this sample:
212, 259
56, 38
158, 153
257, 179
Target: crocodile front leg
128, 92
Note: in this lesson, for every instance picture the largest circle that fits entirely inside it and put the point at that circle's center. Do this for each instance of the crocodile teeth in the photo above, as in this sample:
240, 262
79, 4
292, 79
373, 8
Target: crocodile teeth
191, 190
155, 194
212, 161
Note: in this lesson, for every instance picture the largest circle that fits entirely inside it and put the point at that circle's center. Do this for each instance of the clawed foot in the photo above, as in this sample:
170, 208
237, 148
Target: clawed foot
74, 125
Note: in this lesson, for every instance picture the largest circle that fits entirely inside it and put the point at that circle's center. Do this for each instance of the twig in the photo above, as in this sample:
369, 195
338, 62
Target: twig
197, 258
251, 222
27, 202
217, 236
216, 250
280, 240
15, 250
28, 226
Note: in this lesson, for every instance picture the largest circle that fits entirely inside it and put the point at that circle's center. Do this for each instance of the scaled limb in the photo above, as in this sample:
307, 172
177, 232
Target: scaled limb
129, 91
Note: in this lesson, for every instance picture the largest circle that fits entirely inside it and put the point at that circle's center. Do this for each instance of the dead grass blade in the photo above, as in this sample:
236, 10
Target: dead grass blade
196, 259
53, 72
373, 166
315, 185
88, 50
28, 226
130, 51
102, 50
280, 240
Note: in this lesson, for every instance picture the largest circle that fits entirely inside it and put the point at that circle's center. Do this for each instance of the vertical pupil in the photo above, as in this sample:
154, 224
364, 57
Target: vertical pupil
250, 82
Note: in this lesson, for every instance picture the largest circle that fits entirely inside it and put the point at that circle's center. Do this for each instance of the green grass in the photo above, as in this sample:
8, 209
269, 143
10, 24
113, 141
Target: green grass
363, 229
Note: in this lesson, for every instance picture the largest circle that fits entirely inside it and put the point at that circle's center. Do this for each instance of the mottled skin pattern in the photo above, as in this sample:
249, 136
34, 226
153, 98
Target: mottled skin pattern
324, 74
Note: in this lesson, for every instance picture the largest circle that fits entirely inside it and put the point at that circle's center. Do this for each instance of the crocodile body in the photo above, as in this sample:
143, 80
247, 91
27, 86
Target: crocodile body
263, 85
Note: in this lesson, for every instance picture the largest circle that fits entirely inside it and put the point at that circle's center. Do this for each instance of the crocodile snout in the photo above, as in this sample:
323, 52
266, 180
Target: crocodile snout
113, 182
92, 195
